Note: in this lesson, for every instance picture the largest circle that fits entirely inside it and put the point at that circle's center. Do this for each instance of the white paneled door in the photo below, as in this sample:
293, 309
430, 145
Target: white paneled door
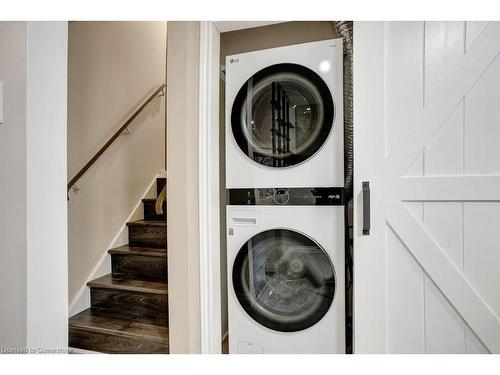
427, 138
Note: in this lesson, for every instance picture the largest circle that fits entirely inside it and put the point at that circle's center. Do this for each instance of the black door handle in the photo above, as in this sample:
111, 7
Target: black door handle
366, 208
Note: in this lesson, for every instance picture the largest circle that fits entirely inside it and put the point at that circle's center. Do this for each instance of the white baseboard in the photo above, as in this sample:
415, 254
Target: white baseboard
81, 301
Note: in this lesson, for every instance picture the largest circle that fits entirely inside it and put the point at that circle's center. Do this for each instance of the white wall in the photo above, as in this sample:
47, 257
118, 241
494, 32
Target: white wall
13, 185
182, 187
113, 67
33, 266
47, 246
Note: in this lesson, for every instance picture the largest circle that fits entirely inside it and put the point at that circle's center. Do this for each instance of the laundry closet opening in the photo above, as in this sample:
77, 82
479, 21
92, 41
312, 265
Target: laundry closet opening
284, 86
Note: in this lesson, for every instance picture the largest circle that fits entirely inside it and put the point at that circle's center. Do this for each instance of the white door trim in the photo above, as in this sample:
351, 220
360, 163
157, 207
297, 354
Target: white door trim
369, 329
450, 188
448, 277
209, 220
409, 143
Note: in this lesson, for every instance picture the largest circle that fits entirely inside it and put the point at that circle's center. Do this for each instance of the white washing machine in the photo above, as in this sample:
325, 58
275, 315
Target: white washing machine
285, 264
284, 116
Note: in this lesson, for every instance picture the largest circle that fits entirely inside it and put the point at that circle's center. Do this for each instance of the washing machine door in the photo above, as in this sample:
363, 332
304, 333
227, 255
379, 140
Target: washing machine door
284, 280
282, 115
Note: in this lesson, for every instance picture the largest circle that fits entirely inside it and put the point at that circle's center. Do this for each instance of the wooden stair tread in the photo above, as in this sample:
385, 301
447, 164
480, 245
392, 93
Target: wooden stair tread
139, 250
129, 284
102, 321
147, 223
129, 307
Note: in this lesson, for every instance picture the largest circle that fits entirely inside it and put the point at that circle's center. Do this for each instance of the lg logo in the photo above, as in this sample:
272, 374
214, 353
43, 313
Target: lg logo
234, 60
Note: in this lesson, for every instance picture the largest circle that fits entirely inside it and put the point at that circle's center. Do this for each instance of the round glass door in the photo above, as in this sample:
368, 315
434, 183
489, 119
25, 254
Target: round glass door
284, 280
282, 115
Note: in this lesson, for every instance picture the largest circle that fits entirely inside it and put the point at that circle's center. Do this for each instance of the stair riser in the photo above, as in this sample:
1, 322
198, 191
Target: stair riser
147, 236
137, 266
160, 183
142, 305
150, 211
108, 343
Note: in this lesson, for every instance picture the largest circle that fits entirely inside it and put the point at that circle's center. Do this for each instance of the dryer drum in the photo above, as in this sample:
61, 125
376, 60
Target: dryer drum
282, 115
284, 280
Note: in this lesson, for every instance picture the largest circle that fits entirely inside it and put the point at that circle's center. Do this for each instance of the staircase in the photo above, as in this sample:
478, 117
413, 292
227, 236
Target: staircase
128, 312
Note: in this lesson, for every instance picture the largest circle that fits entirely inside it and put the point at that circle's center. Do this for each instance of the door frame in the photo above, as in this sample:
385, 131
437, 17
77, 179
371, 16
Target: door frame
208, 180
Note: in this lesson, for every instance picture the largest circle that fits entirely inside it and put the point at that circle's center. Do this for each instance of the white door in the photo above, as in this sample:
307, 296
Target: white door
427, 139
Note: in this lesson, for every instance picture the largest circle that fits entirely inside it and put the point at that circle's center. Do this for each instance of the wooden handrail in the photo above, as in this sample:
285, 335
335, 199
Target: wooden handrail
113, 138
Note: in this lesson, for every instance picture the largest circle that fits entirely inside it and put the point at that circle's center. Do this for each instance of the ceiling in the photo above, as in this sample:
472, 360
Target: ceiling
225, 26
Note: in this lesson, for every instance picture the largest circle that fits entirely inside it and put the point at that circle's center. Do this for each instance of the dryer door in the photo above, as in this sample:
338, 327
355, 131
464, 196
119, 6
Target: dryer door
282, 115
284, 280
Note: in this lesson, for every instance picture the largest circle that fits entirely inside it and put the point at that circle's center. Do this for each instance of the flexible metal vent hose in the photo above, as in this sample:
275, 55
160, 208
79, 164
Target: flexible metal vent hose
344, 30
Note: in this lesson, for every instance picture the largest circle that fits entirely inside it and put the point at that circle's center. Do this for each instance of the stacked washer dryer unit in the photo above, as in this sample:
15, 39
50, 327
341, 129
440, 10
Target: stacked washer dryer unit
285, 215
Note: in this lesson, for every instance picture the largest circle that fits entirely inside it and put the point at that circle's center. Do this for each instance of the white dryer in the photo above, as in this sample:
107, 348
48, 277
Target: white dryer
284, 116
285, 266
